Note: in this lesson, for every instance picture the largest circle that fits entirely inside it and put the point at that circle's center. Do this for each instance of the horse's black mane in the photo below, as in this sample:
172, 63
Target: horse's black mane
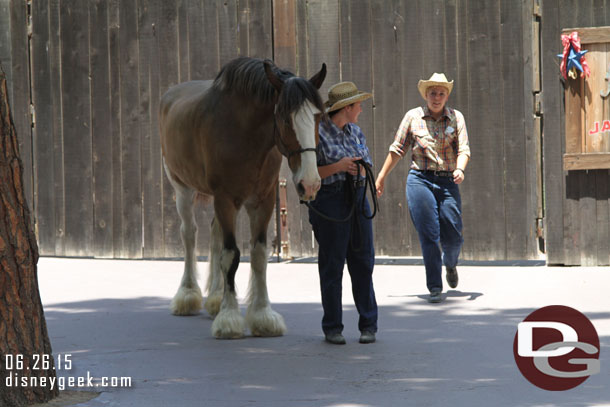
246, 76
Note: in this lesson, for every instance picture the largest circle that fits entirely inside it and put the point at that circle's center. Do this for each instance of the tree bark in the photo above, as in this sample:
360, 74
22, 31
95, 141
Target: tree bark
25, 349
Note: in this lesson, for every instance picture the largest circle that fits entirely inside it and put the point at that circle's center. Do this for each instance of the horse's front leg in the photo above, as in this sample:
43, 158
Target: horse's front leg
188, 299
228, 324
262, 320
215, 282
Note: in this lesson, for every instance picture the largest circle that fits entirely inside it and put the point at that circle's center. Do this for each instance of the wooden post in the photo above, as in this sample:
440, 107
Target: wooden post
24, 340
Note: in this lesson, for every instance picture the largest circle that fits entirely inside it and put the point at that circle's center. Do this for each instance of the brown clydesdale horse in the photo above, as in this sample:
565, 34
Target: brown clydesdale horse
225, 138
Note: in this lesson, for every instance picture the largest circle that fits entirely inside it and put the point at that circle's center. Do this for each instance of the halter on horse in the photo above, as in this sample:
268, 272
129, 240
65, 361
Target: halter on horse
226, 138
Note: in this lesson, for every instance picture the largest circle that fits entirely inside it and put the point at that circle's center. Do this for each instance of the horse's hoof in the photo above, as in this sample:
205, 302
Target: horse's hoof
187, 301
212, 304
265, 322
228, 324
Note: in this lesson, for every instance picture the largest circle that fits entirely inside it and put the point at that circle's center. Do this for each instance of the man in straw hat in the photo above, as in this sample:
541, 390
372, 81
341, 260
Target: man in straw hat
438, 140
342, 143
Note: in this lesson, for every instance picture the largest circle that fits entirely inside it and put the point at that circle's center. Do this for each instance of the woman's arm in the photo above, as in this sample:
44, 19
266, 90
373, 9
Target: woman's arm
389, 164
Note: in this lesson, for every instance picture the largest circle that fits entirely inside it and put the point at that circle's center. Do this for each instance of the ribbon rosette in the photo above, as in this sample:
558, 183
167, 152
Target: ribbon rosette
573, 58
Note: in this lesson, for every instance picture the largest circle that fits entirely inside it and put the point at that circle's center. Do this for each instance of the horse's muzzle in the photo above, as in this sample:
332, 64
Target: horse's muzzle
307, 192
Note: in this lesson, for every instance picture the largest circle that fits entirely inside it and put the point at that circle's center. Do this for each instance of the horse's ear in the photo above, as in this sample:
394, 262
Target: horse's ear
318, 78
277, 83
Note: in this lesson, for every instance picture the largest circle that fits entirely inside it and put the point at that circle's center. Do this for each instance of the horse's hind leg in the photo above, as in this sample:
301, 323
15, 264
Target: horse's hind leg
262, 320
188, 299
215, 282
229, 323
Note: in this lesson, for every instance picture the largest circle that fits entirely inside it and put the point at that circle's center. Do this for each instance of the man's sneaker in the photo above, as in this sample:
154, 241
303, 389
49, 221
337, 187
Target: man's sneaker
367, 337
335, 339
452, 277
435, 297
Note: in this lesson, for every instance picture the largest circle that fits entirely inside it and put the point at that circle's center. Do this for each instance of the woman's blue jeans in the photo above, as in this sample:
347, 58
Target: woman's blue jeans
436, 210
338, 242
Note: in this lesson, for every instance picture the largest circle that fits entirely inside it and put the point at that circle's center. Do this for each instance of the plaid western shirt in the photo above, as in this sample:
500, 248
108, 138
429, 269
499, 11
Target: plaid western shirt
435, 144
336, 143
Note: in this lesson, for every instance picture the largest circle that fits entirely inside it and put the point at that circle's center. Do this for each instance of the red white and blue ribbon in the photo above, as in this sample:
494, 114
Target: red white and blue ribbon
573, 59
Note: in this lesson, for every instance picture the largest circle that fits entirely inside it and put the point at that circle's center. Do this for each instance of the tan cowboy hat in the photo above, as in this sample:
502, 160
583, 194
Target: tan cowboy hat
437, 79
343, 94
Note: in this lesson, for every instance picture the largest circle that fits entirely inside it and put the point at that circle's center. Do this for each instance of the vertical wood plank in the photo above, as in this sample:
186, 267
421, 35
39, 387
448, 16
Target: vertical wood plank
604, 144
486, 174
167, 37
227, 31
285, 55
44, 176
152, 173
76, 131
593, 103
587, 215
260, 29
101, 133
533, 117
115, 124
206, 17
463, 100
197, 41
387, 29
603, 217
323, 35
520, 216
357, 63
183, 44
553, 146
573, 116
131, 166
57, 126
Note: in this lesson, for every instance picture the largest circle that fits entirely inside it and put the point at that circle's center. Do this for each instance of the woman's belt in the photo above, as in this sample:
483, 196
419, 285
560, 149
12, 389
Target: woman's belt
436, 173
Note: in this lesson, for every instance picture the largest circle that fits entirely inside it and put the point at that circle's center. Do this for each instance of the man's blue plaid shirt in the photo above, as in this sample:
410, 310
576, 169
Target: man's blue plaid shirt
336, 143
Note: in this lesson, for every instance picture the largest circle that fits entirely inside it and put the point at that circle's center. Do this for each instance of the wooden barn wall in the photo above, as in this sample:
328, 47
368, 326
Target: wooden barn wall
386, 46
577, 202
100, 66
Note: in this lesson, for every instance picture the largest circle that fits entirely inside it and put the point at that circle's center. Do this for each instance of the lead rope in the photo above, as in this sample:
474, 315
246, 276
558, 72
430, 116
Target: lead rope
369, 181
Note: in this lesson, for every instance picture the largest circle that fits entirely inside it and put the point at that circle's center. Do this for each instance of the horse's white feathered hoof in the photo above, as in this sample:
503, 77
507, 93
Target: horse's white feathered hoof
229, 324
212, 304
265, 322
187, 301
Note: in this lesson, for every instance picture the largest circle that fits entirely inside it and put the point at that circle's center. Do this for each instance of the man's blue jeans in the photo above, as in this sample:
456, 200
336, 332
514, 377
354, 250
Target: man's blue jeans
436, 210
338, 242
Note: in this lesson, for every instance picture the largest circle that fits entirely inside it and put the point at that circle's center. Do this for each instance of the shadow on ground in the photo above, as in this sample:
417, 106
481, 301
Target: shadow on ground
426, 355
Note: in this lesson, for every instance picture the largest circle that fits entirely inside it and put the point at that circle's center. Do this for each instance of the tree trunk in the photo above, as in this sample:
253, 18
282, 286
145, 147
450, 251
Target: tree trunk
25, 349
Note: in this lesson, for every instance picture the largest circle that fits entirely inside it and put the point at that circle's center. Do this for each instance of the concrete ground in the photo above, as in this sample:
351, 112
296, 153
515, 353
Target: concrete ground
111, 319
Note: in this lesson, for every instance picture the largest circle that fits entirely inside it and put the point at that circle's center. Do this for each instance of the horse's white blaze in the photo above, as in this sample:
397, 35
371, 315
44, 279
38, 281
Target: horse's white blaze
304, 126
261, 319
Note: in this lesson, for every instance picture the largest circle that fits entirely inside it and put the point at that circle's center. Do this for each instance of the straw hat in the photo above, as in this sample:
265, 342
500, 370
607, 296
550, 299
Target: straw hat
343, 94
437, 79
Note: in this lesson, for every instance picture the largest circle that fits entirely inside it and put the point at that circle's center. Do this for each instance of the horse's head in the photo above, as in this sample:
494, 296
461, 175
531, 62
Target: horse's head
298, 111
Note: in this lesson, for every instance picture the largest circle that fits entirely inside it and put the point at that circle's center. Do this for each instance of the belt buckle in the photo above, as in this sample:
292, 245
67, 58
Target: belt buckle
437, 173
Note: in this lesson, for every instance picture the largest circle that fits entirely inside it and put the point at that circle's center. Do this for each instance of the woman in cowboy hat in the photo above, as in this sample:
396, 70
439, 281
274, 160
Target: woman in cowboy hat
438, 139
342, 143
